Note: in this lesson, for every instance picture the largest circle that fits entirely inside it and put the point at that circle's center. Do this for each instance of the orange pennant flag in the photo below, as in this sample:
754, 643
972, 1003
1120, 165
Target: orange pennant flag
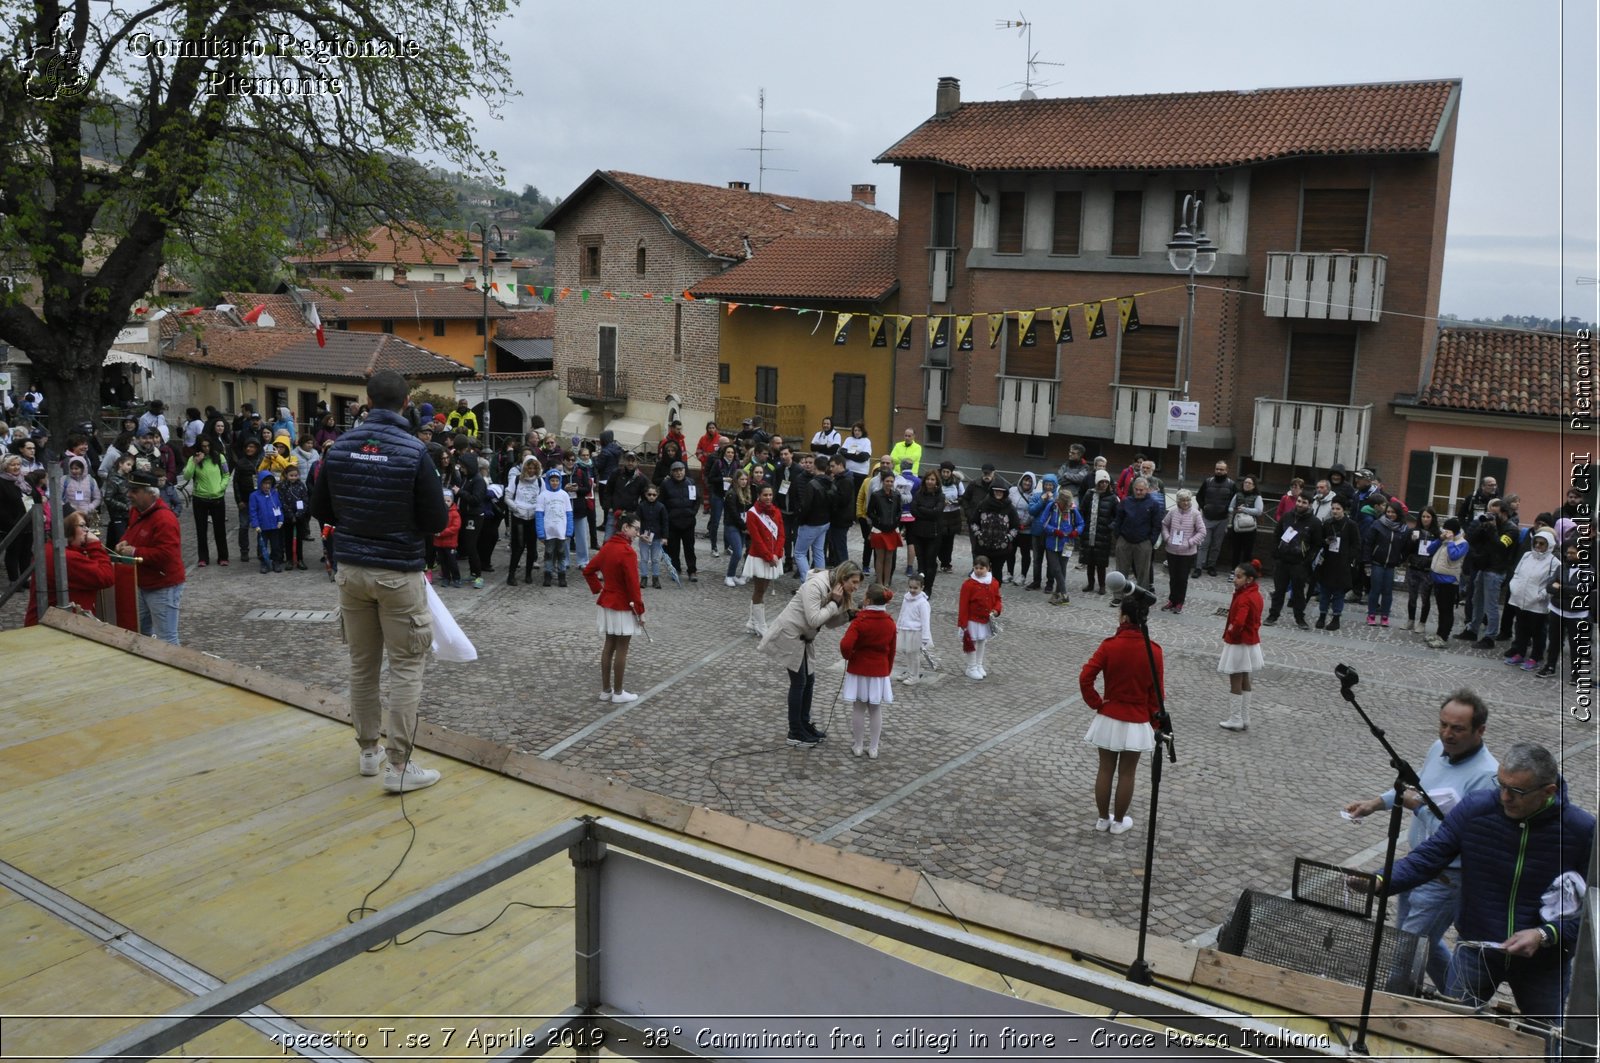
732, 307
687, 297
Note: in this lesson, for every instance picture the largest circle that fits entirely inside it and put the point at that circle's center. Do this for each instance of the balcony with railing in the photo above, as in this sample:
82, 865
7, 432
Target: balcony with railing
789, 421
1139, 416
1330, 286
1310, 433
1027, 405
596, 387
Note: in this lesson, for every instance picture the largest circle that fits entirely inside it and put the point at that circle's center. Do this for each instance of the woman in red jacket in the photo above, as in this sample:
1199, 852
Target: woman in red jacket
1122, 729
764, 562
613, 574
88, 570
869, 645
1241, 644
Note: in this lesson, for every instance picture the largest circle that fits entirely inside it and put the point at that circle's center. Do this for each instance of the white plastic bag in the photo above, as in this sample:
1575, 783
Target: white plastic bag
450, 643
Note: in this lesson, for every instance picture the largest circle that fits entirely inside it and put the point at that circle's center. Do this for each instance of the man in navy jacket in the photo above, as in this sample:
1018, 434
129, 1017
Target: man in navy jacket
1514, 841
380, 491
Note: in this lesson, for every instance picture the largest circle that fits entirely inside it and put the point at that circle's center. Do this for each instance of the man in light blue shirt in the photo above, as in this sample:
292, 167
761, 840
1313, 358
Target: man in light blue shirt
1457, 764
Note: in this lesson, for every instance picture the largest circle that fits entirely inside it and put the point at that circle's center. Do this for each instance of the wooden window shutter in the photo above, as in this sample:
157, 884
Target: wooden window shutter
1008, 238
1334, 219
1127, 213
1150, 357
1499, 468
1419, 480
1067, 223
1037, 362
1322, 367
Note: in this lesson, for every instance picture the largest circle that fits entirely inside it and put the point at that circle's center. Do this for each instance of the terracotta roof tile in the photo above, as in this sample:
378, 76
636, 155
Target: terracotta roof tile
282, 308
388, 245
527, 325
1497, 371
718, 220
226, 346
356, 356
1182, 130
342, 298
811, 267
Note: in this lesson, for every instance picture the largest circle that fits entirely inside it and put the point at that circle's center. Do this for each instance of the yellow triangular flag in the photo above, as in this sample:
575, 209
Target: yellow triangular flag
875, 331
1061, 318
1129, 312
1095, 312
841, 329
995, 321
963, 332
938, 332
1030, 337
902, 337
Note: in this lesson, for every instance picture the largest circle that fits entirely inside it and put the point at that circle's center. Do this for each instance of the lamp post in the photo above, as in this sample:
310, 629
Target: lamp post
486, 272
1190, 251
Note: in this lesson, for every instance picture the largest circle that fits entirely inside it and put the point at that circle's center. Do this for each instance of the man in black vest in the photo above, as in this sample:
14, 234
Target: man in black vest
379, 490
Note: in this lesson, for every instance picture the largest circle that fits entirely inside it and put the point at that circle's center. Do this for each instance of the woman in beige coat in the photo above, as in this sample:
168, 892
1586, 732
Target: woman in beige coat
825, 599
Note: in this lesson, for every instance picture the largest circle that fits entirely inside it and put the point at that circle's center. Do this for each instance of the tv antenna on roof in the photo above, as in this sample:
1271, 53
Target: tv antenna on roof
761, 151
1030, 74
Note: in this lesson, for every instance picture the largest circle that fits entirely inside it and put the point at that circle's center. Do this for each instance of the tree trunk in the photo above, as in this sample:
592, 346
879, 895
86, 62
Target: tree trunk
71, 395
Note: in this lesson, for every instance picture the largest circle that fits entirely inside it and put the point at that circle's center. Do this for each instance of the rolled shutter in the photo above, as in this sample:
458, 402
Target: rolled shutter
1419, 480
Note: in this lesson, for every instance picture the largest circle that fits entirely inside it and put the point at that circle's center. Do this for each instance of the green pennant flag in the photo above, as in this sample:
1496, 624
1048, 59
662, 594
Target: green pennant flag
583, 296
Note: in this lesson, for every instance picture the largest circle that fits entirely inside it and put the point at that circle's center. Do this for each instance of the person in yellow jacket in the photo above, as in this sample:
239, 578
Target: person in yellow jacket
908, 449
277, 457
462, 419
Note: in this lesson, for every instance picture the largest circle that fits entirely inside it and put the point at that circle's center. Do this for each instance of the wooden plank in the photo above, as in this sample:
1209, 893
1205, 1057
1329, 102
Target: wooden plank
851, 869
610, 794
1399, 1017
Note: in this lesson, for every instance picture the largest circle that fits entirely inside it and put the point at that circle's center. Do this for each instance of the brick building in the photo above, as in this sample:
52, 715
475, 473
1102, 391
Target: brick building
387, 252
1327, 207
630, 351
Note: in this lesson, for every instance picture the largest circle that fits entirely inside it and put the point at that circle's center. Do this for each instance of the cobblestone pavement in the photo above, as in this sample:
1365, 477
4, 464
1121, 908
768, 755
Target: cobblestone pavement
984, 781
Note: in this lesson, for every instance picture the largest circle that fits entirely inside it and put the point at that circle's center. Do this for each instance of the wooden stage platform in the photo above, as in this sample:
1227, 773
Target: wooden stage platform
172, 822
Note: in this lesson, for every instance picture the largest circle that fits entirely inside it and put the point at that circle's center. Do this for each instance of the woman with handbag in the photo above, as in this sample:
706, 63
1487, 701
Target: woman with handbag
1244, 514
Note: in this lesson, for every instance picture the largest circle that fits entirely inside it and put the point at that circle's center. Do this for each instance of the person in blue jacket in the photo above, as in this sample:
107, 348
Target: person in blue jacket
1059, 525
1518, 842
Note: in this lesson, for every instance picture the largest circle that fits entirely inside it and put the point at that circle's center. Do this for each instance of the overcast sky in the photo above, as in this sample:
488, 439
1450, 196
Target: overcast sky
670, 90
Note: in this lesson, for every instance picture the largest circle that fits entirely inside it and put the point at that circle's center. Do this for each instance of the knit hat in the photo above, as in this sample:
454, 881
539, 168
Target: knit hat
1101, 476
1452, 524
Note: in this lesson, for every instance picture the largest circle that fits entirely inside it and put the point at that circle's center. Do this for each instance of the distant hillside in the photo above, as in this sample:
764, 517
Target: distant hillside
1522, 321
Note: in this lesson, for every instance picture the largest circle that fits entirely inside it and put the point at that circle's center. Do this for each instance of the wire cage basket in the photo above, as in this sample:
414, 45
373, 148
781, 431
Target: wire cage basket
1323, 941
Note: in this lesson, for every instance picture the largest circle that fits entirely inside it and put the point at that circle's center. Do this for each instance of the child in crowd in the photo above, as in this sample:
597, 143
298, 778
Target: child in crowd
116, 500
266, 520
445, 543
652, 535
555, 510
915, 631
1423, 528
1531, 595
81, 493
1241, 644
868, 645
297, 512
980, 601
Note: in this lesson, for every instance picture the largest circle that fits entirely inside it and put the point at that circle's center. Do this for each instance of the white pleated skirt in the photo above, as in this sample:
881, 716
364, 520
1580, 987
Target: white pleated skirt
757, 568
872, 689
977, 631
1237, 657
1119, 736
615, 622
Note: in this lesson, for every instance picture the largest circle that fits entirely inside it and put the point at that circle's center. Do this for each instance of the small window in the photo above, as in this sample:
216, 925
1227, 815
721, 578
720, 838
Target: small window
849, 397
438, 326
1455, 476
1035, 446
1333, 219
386, 325
589, 259
1322, 368
227, 396
944, 219
342, 325
767, 385
477, 325
724, 373
639, 261
1127, 212
933, 435
1008, 235
438, 276
1067, 223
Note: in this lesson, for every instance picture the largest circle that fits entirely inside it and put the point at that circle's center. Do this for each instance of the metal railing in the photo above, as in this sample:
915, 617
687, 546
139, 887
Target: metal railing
791, 422
596, 385
1312, 434
1332, 286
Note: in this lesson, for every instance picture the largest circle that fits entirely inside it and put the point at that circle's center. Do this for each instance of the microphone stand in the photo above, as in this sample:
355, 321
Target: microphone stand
1139, 971
1404, 776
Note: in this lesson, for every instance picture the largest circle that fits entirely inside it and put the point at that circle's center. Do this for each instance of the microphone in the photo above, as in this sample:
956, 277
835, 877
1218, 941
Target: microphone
1347, 675
1121, 585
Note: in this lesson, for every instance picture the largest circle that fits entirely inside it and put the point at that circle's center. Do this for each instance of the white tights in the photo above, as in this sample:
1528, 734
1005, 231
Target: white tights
865, 714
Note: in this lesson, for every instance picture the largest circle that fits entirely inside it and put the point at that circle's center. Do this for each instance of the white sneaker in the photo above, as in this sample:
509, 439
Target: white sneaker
983, 673
858, 750
744, 581
604, 695
730, 581
1102, 824
715, 552
1122, 826
872, 754
902, 677
622, 697
973, 673
412, 777
371, 760
912, 681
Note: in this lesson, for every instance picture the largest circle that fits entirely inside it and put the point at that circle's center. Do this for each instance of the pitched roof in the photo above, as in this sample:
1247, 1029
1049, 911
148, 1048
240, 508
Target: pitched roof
811, 267
527, 325
223, 345
1184, 130
281, 307
717, 221
294, 352
389, 245
1497, 371
343, 298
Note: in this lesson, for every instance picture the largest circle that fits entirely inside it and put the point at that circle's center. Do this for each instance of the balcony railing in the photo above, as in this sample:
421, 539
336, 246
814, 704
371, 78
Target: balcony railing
1027, 404
1310, 433
787, 421
1330, 287
594, 387
1139, 416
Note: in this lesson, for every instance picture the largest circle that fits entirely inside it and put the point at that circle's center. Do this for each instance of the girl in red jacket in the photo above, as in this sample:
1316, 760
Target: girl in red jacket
1241, 644
764, 562
613, 574
869, 645
980, 600
1121, 728
445, 543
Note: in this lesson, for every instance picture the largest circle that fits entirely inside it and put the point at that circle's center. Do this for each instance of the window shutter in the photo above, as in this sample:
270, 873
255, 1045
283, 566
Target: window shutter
1067, 223
1419, 480
1127, 210
1498, 467
1322, 367
1150, 357
1334, 219
1008, 240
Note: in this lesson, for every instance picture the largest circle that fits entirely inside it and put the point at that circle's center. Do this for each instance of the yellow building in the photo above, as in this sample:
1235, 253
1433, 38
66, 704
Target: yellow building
784, 364
441, 316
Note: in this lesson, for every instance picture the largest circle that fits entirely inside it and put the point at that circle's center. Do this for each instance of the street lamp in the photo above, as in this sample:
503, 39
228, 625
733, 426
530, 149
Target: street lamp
486, 270
1190, 251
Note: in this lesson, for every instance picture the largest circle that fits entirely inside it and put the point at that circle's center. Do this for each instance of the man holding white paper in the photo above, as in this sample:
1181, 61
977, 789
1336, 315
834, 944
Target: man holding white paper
1456, 764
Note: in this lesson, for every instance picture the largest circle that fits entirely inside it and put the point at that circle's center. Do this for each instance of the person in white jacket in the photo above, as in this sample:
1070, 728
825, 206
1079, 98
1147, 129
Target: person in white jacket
523, 488
1530, 594
915, 631
555, 513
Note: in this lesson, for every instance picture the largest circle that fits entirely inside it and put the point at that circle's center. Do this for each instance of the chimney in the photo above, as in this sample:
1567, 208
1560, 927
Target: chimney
948, 98
864, 194
400, 275
739, 186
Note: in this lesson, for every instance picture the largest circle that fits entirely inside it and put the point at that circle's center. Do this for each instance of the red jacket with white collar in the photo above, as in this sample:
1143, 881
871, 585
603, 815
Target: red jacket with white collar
763, 542
613, 574
869, 642
979, 601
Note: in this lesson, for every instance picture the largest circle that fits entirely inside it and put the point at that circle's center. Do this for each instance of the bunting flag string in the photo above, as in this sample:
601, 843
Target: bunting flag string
963, 332
939, 332
902, 332
995, 323
841, 330
1095, 314
1025, 324
1062, 321
875, 331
